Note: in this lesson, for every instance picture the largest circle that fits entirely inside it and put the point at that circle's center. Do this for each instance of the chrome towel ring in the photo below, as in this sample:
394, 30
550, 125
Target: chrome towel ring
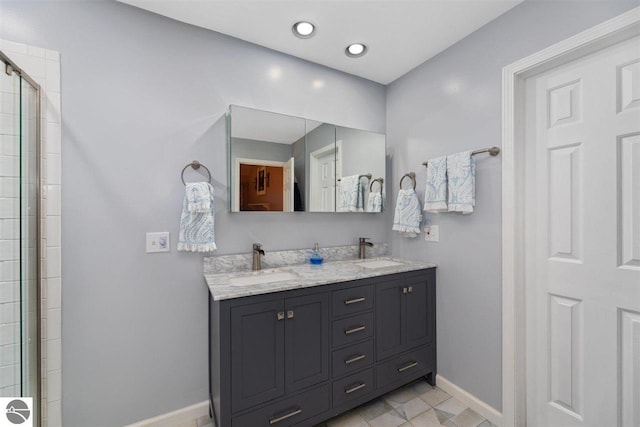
412, 176
380, 180
195, 165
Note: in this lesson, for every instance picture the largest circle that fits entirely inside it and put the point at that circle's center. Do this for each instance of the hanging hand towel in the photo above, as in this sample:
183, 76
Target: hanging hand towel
461, 180
435, 195
197, 220
350, 194
375, 202
407, 216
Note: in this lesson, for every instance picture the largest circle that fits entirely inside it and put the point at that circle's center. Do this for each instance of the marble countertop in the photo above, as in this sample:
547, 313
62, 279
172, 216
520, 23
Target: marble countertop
306, 275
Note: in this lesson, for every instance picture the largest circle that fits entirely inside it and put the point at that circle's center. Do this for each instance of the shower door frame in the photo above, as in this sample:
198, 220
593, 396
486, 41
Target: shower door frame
14, 68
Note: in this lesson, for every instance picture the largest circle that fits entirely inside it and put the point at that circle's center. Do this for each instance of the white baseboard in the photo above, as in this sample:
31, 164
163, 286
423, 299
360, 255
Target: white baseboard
192, 416
487, 411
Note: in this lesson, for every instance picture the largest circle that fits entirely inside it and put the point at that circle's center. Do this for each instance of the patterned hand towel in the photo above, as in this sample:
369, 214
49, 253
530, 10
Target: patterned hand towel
375, 202
461, 179
350, 194
197, 220
435, 195
408, 215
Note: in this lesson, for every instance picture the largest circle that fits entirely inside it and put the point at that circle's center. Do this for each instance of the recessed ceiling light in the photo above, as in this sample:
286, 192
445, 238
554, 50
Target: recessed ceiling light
303, 29
356, 50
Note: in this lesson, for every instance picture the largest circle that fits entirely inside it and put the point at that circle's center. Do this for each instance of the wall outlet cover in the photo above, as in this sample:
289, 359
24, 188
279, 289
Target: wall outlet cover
432, 233
158, 242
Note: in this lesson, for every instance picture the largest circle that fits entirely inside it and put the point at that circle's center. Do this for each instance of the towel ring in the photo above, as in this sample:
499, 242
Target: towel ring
412, 176
195, 165
380, 180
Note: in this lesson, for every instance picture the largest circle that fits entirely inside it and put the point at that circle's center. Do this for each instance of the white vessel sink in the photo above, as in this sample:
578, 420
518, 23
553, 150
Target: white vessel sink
263, 276
379, 263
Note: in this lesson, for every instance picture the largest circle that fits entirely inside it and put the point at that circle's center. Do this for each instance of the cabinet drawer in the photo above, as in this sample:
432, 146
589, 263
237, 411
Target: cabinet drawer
353, 387
289, 411
352, 300
352, 329
415, 363
352, 358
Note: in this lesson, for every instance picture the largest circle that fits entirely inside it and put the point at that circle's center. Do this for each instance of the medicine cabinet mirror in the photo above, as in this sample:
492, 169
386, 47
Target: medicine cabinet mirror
282, 163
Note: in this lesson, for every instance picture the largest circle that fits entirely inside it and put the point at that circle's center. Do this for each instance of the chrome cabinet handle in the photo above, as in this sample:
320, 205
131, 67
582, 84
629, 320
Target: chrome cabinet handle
410, 289
354, 301
355, 388
405, 290
354, 330
284, 417
280, 315
409, 366
354, 359
290, 314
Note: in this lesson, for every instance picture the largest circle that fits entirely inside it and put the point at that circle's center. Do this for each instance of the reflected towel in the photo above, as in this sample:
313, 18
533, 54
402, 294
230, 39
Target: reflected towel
197, 220
408, 215
435, 195
350, 194
461, 180
375, 202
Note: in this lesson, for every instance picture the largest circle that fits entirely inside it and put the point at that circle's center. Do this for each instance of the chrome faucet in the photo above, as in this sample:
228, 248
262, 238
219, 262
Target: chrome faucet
257, 253
362, 247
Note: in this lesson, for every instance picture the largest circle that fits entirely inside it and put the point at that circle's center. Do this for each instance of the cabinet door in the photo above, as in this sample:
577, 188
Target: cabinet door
418, 311
306, 341
389, 319
257, 353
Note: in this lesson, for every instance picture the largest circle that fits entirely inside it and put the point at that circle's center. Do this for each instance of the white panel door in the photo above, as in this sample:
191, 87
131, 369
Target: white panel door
323, 180
583, 241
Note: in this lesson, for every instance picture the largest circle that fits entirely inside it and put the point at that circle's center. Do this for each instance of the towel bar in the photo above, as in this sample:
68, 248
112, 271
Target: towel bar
364, 175
412, 176
195, 165
494, 151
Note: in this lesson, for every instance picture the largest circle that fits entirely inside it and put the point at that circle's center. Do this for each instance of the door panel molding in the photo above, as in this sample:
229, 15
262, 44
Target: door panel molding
513, 178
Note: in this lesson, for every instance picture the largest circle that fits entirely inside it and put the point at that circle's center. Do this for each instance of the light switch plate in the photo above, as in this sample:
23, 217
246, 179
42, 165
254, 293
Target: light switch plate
158, 242
432, 233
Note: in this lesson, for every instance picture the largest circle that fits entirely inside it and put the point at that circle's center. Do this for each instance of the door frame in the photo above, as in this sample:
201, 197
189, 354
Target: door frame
236, 175
514, 77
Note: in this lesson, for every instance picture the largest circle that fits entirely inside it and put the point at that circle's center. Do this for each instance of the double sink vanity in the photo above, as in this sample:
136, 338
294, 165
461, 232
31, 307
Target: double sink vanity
296, 344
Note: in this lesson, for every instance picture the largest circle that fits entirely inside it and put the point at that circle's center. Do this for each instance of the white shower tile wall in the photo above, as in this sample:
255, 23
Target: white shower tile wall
44, 67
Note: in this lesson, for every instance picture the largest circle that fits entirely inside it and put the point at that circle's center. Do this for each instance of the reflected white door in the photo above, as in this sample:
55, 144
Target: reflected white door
583, 241
288, 180
322, 188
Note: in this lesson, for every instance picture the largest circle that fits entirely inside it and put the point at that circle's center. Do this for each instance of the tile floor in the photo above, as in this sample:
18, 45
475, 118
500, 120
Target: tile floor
415, 405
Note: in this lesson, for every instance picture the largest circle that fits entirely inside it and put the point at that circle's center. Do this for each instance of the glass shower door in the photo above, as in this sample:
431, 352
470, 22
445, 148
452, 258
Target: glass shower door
19, 238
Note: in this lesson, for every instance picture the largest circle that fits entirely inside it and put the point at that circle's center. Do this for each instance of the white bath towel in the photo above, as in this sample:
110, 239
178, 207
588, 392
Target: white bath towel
197, 220
435, 195
461, 181
408, 215
375, 202
350, 194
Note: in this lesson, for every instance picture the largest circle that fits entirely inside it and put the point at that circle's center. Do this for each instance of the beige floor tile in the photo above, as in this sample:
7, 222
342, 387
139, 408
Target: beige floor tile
452, 406
426, 419
373, 409
468, 418
390, 419
413, 408
350, 419
398, 397
435, 396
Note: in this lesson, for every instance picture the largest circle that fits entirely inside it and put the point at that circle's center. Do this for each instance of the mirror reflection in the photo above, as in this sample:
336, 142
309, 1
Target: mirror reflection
283, 163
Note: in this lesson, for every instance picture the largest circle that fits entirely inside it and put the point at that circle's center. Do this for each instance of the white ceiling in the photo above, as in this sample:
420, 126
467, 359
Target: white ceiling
400, 34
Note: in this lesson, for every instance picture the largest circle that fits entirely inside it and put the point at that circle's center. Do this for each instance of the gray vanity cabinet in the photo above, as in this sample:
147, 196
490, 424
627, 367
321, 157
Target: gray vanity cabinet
403, 321
299, 357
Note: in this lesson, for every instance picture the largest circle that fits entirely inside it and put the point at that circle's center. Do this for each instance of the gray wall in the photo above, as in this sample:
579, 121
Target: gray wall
141, 97
453, 103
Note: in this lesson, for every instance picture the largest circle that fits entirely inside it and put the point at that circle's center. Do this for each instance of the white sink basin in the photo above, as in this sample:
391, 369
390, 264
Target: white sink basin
264, 276
379, 263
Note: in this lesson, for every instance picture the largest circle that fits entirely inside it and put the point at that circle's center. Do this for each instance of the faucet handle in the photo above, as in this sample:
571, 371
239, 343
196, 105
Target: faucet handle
257, 246
364, 239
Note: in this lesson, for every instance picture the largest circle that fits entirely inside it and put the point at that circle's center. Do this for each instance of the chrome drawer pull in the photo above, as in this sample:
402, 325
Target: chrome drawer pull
284, 417
280, 315
290, 314
354, 301
354, 359
355, 388
354, 330
409, 366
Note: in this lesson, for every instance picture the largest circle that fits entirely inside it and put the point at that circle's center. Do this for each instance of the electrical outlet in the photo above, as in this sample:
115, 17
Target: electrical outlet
158, 242
432, 233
